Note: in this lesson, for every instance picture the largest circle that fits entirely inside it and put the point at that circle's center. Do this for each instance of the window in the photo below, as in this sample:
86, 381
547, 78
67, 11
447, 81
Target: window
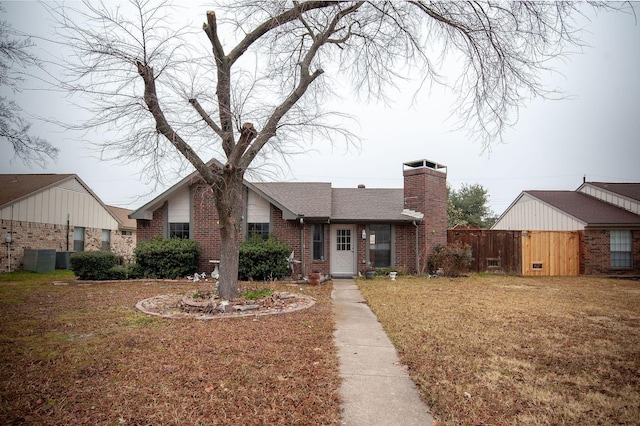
127, 233
179, 230
343, 239
318, 241
620, 247
78, 238
258, 230
380, 245
106, 239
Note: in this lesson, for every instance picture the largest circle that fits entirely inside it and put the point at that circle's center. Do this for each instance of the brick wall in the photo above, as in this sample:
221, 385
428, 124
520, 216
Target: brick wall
596, 258
148, 229
206, 228
405, 246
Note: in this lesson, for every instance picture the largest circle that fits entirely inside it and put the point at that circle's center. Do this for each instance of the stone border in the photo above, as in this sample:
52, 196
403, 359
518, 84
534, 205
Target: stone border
147, 306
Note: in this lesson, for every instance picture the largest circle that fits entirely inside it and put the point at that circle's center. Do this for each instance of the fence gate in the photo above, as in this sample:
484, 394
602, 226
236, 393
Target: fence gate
551, 253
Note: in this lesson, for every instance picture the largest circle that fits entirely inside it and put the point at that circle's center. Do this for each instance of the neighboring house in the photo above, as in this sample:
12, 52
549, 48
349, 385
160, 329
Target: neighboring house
604, 216
336, 231
52, 211
123, 241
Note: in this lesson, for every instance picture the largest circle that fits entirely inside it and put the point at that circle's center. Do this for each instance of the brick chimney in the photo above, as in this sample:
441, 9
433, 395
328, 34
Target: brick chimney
425, 191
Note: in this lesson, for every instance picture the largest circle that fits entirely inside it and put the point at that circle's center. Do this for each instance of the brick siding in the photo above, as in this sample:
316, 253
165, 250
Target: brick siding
596, 258
425, 190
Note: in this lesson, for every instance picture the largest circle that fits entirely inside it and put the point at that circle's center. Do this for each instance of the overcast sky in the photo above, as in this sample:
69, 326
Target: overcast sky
593, 133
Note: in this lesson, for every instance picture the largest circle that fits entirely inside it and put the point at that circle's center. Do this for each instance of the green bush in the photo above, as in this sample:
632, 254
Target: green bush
134, 271
117, 272
263, 260
92, 265
451, 260
166, 257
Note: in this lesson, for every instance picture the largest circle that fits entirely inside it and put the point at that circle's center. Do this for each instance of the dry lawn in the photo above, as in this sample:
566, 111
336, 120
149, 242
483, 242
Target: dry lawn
500, 350
81, 354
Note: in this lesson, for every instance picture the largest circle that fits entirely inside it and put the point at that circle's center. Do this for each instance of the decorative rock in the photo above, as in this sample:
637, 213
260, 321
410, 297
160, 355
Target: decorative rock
242, 308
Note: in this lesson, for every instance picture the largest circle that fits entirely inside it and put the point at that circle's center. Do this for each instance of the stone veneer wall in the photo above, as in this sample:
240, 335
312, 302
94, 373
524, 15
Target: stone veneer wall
123, 245
595, 253
30, 235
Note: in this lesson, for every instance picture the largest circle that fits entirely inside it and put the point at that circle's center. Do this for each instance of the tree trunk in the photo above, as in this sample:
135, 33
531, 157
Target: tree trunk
228, 199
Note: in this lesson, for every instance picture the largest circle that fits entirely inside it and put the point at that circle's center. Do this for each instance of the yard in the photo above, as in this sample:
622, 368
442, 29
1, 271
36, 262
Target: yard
492, 350
501, 350
81, 354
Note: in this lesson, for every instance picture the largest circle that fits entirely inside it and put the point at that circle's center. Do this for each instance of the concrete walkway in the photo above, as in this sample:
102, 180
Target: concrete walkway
375, 389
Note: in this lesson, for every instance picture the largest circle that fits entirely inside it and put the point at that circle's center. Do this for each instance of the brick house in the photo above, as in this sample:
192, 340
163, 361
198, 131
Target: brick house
604, 216
59, 212
337, 231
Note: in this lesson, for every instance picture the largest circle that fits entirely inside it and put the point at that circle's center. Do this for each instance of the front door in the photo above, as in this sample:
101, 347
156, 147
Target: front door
343, 250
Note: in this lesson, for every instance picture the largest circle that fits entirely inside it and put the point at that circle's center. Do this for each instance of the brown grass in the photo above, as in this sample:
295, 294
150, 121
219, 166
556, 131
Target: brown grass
81, 354
500, 350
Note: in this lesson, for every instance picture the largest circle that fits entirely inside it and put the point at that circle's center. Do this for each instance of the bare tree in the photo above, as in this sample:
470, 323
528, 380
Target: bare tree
260, 83
15, 57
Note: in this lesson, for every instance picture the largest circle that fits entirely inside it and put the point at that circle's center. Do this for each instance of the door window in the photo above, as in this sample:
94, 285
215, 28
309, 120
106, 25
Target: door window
343, 239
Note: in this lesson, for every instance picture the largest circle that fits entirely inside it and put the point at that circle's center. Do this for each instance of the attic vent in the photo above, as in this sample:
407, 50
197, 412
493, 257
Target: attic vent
361, 186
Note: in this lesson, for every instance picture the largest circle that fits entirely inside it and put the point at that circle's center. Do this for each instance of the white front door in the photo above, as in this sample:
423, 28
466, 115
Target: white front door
343, 250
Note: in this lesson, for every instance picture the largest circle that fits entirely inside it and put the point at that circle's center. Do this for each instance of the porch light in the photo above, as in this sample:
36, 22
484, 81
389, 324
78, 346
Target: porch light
364, 234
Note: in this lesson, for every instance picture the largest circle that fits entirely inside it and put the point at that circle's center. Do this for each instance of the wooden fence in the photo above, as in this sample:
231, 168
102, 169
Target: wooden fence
492, 250
551, 253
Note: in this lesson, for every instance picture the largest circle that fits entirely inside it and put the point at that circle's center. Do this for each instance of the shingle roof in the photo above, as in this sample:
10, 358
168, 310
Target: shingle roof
319, 200
364, 204
629, 190
311, 199
123, 216
586, 208
16, 186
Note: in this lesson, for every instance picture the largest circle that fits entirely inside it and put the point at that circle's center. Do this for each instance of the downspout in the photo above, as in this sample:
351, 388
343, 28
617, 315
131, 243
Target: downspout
302, 256
417, 249
68, 229
10, 240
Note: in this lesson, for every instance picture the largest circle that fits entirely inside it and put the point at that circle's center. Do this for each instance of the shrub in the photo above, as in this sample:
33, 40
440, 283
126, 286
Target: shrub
263, 260
166, 257
92, 265
451, 260
117, 272
134, 271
